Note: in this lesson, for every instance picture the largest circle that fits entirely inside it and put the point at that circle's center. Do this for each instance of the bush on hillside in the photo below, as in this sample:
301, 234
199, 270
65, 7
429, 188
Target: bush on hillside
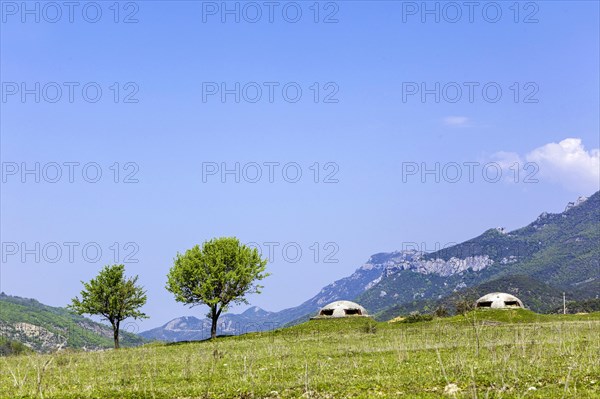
584, 306
415, 317
9, 348
464, 306
441, 311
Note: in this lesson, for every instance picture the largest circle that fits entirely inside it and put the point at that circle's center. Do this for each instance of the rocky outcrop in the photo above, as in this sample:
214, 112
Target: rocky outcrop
441, 267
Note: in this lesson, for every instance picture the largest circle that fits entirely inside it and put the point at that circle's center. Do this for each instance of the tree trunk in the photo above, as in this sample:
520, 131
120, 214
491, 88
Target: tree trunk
116, 334
213, 327
214, 313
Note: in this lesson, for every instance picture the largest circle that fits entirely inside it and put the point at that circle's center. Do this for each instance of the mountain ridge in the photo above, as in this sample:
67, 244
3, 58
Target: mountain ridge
560, 249
391, 279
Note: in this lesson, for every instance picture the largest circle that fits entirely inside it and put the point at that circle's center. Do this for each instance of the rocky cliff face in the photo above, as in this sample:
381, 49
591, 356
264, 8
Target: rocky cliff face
33, 336
440, 267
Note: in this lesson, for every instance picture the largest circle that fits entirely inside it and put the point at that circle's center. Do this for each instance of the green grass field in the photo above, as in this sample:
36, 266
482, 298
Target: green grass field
486, 354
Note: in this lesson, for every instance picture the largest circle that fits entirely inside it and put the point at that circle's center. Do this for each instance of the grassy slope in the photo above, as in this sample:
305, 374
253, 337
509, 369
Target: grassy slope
490, 353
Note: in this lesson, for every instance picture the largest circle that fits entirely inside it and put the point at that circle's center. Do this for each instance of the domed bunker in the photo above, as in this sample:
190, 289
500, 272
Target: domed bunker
499, 300
341, 309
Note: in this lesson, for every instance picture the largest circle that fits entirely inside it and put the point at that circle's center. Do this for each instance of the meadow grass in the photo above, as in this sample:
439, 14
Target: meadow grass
486, 354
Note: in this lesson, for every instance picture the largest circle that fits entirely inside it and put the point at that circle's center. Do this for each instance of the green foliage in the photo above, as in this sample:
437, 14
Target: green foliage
416, 317
9, 347
112, 296
220, 273
584, 306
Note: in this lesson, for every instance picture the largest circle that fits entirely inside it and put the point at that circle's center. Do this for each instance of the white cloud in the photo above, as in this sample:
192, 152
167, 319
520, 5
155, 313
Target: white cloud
457, 121
506, 159
567, 163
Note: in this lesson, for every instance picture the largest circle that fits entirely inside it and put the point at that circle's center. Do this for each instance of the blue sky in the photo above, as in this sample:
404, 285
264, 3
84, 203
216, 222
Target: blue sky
372, 130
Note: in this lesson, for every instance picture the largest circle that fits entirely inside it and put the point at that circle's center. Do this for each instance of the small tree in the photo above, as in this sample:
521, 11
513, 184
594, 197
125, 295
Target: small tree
112, 296
222, 272
463, 306
441, 311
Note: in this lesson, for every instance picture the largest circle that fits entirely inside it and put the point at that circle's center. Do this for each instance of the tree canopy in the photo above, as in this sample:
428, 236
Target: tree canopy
221, 272
113, 296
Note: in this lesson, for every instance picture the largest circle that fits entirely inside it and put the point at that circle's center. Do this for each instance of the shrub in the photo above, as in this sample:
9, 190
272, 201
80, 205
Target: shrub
415, 317
8, 348
441, 311
464, 306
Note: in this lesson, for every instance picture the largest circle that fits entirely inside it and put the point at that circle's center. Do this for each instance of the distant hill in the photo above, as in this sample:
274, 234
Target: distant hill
536, 295
256, 319
561, 250
582, 306
189, 328
556, 253
45, 328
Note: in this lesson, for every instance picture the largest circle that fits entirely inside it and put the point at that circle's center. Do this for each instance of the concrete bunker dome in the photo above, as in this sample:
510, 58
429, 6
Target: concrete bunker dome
499, 300
341, 309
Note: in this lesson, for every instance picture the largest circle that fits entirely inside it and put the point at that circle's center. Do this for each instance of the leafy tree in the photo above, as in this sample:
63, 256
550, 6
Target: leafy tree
222, 272
112, 296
